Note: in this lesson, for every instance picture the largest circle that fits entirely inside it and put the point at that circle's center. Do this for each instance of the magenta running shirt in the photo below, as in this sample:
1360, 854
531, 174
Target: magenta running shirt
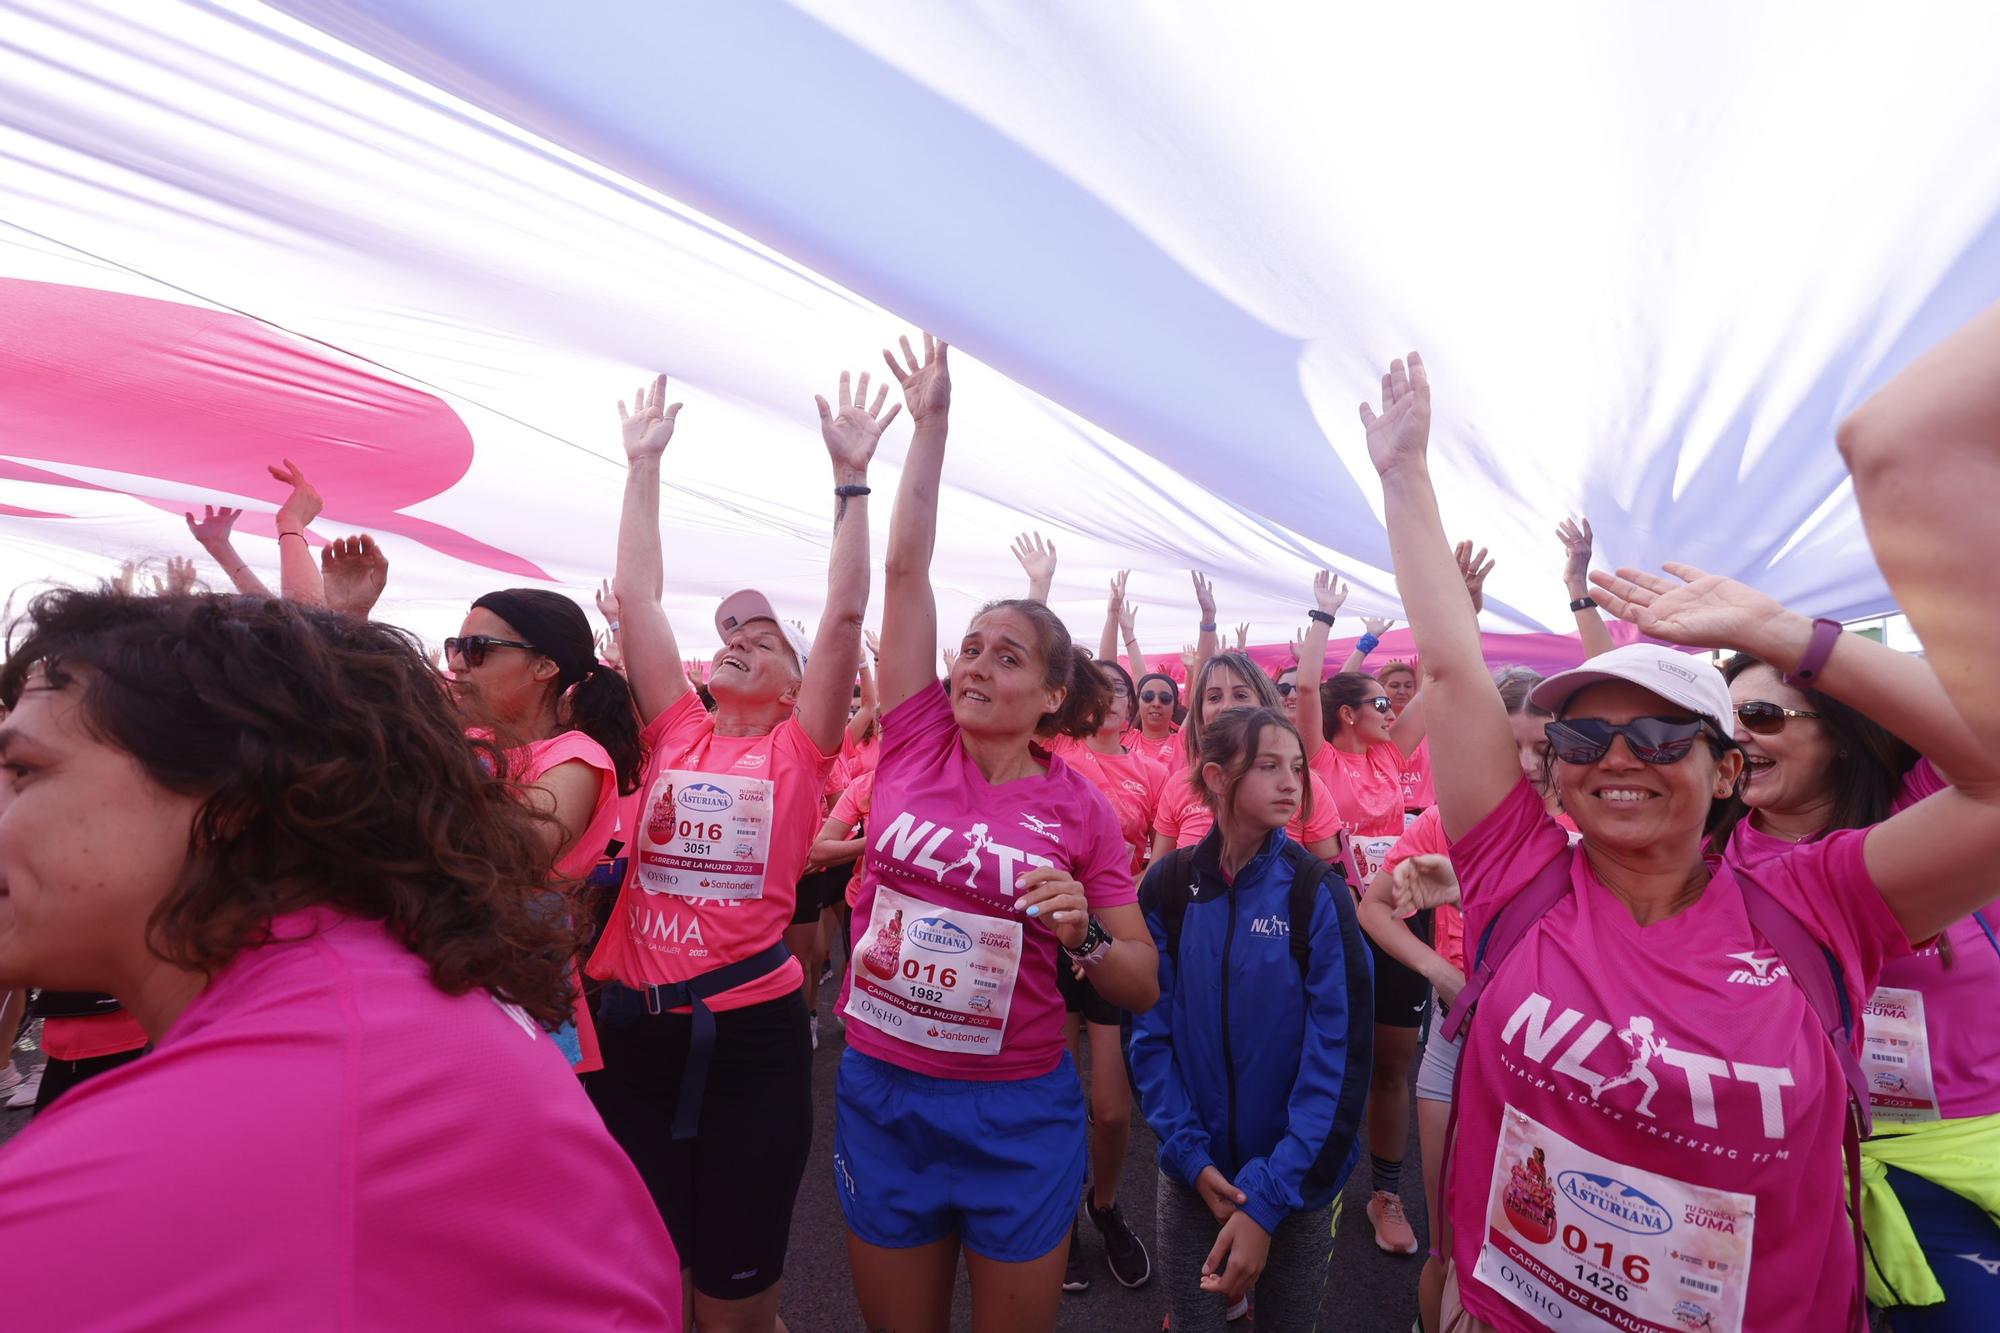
949, 979
1651, 1117
326, 1140
1932, 1049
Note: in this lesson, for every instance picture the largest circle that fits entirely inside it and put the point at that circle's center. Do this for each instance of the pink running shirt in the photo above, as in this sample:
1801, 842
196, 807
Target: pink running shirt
657, 937
1426, 837
943, 837
585, 850
1684, 1094
1130, 781
1933, 1049
1367, 788
1168, 751
324, 1139
852, 810
1186, 819
1419, 793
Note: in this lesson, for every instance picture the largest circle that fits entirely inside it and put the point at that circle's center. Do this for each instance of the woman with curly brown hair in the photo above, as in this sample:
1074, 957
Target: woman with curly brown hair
259, 826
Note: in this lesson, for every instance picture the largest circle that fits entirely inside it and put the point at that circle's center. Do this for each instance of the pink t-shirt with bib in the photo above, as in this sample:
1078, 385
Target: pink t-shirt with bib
1168, 751
1419, 792
1367, 788
763, 798
1186, 819
1130, 781
1425, 837
949, 978
1933, 1050
325, 1139
1685, 1097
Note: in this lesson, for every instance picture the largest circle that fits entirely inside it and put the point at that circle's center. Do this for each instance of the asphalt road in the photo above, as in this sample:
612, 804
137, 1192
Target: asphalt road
1368, 1292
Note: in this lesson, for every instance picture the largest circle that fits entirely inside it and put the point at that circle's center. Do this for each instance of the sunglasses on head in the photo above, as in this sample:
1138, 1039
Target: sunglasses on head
1766, 718
1156, 697
472, 649
1655, 740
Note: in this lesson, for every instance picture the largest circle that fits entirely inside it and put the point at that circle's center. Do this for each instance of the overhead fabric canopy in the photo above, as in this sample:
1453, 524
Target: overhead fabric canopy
422, 246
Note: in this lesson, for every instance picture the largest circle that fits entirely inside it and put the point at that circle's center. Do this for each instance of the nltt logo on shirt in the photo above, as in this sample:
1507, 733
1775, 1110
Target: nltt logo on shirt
1273, 926
920, 843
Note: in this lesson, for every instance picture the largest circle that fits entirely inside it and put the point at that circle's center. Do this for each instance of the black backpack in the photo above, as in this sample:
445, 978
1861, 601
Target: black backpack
1308, 873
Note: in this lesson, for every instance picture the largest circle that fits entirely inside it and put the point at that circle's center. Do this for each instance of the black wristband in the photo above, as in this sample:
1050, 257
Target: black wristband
1319, 615
1208, 627
1584, 604
848, 492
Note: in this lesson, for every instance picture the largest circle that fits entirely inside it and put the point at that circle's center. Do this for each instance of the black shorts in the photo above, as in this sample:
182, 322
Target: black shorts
820, 890
1401, 995
726, 1194
1080, 997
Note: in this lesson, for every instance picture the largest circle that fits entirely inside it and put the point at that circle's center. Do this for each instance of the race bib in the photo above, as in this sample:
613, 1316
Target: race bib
1369, 854
705, 835
935, 976
1896, 1057
1579, 1241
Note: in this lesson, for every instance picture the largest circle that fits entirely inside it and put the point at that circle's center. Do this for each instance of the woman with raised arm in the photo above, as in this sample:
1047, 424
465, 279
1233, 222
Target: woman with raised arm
990, 863
1609, 1037
212, 531
707, 1050
1121, 623
1225, 681
257, 825
1576, 538
525, 675
1837, 753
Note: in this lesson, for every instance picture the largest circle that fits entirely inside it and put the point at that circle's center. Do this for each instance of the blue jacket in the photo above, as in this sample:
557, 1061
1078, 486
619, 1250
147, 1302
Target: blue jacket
1243, 1064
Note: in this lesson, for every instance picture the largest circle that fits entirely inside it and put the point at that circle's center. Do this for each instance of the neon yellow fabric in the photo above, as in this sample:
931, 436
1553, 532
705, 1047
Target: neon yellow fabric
1961, 1155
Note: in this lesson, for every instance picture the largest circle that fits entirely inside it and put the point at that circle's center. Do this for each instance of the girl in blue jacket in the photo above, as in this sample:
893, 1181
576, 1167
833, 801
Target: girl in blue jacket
1253, 1067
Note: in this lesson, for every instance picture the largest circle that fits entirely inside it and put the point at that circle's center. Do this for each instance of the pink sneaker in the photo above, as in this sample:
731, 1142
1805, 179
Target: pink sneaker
1392, 1229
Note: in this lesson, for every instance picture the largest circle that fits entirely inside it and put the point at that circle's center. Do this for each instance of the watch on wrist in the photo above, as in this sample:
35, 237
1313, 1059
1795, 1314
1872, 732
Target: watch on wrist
1321, 616
1584, 604
1825, 634
1095, 947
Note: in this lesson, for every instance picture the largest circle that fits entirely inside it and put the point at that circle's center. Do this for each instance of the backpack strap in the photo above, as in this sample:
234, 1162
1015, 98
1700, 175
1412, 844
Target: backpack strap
1176, 887
1550, 886
1986, 927
1308, 873
1815, 970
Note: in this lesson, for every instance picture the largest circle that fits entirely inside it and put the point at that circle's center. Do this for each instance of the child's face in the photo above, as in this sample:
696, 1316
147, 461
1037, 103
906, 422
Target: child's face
1268, 797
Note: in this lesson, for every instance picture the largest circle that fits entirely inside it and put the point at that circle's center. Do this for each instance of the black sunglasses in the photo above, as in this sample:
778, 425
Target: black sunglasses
1155, 697
1655, 740
1380, 703
1286, 689
474, 647
1767, 718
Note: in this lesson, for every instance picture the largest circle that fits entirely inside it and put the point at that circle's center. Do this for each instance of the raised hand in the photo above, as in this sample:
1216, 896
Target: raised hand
1116, 603
1691, 608
852, 433
1400, 435
1242, 636
302, 506
607, 650
649, 426
1376, 625
926, 384
1575, 535
950, 656
354, 572
1298, 645
1473, 568
1329, 592
1037, 557
1204, 597
127, 580
1128, 615
874, 642
607, 602
180, 577
214, 526
1187, 661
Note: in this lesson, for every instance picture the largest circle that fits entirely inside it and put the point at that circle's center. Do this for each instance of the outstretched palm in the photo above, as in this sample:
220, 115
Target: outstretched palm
649, 427
852, 432
927, 383
1400, 434
1576, 537
1691, 608
214, 525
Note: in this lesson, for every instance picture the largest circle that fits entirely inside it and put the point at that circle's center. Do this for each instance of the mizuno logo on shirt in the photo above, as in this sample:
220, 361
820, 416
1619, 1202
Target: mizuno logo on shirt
1992, 1266
1758, 970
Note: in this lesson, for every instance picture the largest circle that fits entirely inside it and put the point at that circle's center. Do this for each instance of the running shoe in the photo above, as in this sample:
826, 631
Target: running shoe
1076, 1277
812, 1023
25, 1092
1392, 1229
10, 1079
1124, 1253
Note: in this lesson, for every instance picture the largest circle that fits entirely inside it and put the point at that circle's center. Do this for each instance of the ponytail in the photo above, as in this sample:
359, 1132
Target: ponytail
1084, 706
601, 707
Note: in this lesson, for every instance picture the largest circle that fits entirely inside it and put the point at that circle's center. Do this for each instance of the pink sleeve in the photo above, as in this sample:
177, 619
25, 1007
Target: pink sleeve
1921, 781
1104, 866
1325, 821
1167, 818
562, 749
848, 808
1423, 838
1827, 886
1501, 854
794, 743
920, 725
681, 717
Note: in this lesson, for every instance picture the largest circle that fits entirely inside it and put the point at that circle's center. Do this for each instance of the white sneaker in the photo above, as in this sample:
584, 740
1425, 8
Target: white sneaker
24, 1094
812, 1021
10, 1079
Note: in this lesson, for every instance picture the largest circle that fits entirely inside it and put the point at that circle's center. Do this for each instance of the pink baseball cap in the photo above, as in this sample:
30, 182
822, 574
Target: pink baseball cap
740, 608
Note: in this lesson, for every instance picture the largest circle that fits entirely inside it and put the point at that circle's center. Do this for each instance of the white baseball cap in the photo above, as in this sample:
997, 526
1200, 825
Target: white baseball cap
740, 608
1677, 677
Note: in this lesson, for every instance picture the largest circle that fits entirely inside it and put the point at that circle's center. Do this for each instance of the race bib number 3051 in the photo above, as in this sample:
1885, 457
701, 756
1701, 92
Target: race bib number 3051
705, 835
1582, 1242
